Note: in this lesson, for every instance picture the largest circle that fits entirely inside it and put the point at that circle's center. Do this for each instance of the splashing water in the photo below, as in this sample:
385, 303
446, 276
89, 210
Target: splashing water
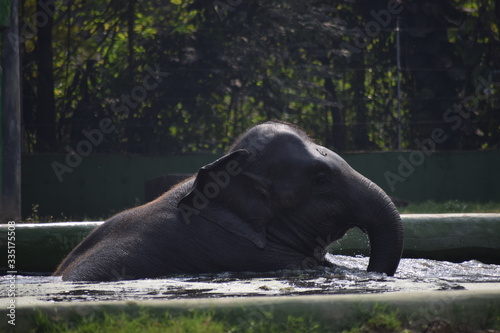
348, 276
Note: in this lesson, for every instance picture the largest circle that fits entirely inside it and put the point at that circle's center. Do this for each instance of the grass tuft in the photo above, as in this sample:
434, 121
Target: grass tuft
381, 320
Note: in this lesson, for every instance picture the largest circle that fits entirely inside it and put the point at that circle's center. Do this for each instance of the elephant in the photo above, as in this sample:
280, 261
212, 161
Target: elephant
275, 201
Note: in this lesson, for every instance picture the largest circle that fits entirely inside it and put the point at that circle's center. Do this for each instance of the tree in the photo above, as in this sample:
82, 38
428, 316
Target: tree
44, 107
189, 76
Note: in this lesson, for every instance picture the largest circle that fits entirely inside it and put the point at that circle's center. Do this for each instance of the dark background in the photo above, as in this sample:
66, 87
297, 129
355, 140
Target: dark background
328, 66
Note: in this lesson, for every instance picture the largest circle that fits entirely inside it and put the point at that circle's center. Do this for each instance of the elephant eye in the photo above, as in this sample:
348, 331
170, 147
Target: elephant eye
320, 179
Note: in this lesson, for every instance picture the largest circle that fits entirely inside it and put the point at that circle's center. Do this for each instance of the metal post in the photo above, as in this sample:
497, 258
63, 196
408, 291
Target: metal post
10, 187
398, 55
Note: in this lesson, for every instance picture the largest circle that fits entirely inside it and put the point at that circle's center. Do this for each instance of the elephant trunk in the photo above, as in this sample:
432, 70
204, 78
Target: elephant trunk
385, 231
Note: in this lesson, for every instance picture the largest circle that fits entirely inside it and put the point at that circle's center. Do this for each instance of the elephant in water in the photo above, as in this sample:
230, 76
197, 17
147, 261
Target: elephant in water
275, 201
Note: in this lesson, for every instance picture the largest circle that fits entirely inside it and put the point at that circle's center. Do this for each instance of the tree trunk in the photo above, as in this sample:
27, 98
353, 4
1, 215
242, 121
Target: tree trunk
361, 140
497, 9
130, 28
45, 103
338, 127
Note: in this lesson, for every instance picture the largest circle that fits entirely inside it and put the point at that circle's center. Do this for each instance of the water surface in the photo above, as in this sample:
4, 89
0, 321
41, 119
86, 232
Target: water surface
349, 276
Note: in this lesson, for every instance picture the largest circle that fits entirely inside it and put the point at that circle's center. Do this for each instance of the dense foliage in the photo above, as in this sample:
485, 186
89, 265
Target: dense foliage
169, 77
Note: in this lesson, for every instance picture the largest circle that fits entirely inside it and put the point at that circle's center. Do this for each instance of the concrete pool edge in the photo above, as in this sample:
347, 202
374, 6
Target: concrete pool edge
473, 308
452, 237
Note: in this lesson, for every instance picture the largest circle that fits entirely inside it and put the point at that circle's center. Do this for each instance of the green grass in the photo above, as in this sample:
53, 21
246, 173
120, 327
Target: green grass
451, 206
381, 319
147, 322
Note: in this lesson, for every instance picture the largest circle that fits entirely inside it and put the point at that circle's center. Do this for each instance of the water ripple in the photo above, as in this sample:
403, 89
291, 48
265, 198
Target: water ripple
347, 276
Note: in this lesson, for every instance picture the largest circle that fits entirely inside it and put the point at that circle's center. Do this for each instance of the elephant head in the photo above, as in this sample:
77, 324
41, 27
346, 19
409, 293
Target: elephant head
278, 188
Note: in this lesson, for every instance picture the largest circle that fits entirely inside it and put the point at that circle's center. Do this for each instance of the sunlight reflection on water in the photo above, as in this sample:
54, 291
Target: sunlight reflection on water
349, 276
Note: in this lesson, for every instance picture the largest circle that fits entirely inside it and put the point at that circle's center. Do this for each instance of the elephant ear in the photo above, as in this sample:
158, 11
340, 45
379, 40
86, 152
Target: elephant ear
232, 198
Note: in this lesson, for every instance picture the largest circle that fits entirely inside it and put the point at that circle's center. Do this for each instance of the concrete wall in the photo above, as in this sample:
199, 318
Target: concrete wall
99, 185
440, 176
